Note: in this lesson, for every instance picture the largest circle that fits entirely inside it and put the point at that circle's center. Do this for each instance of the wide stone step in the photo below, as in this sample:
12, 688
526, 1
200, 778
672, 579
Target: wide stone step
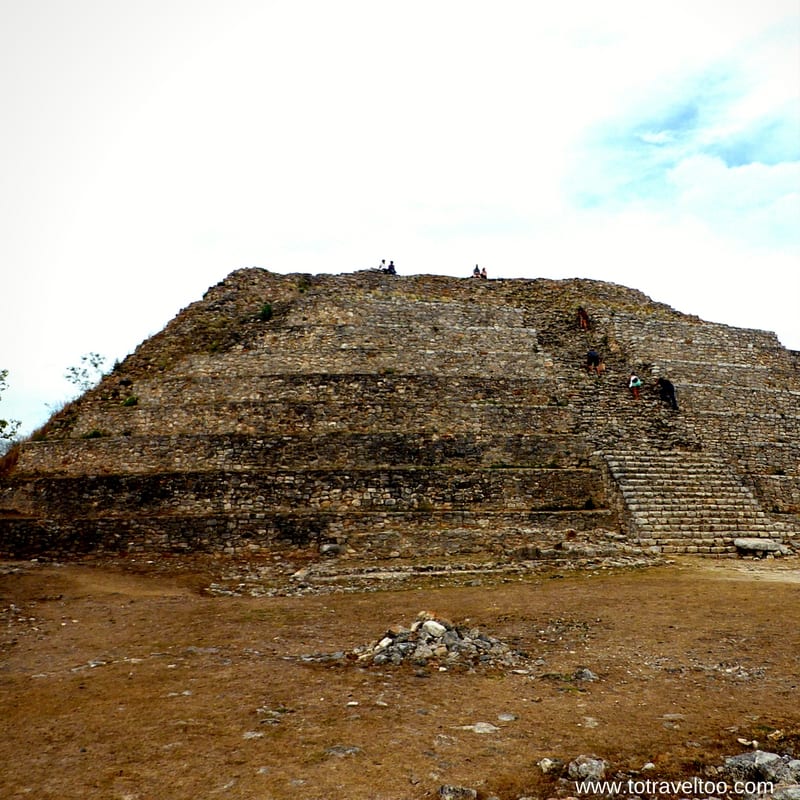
330, 349
686, 502
337, 491
751, 376
267, 417
657, 487
699, 518
696, 548
363, 389
371, 312
242, 453
690, 529
774, 405
697, 335
370, 533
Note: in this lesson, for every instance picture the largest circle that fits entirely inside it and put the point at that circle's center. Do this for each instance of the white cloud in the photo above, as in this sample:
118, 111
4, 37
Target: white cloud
763, 198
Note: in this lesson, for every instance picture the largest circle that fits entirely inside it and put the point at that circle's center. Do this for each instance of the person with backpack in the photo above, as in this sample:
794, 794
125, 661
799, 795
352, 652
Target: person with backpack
634, 384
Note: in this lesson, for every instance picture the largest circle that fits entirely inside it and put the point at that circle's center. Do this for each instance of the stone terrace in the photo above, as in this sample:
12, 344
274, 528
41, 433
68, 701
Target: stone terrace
424, 416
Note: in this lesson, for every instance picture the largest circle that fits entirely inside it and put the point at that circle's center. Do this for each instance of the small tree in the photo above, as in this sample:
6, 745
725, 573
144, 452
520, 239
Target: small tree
8, 427
89, 372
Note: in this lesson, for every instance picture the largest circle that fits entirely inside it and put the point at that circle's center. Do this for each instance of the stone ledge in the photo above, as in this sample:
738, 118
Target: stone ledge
749, 545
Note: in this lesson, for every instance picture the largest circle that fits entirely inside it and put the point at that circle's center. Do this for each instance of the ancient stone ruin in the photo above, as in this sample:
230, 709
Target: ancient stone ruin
431, 641
378, 416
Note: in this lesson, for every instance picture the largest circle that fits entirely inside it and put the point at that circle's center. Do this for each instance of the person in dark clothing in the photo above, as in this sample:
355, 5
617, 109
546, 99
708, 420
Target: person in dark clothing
583, 319
592, 361
390, 270
666, 391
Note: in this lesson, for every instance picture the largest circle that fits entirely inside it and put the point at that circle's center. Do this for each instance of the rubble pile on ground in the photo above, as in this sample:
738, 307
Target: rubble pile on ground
430, 640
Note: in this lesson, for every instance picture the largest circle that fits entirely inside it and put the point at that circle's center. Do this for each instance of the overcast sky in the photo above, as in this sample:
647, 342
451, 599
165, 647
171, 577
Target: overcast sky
150, 148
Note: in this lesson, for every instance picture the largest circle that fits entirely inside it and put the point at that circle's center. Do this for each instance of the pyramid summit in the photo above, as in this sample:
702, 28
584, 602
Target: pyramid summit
419, 416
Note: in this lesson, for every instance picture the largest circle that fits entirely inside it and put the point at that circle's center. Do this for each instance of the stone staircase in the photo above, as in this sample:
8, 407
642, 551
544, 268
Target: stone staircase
681, 488
739, 394
689, 502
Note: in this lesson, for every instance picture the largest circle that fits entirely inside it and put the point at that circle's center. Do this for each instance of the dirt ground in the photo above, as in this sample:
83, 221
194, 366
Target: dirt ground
129, 680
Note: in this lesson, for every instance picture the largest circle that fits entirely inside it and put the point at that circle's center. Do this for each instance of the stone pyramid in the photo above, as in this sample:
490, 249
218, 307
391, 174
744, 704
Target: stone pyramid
417, 416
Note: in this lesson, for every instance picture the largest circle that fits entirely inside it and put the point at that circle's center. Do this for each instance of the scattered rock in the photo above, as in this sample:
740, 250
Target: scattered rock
434, 628
585, 766
786, 793
342, 751
551, 765
192, 650
443, 740
585, 674
457, 793
759, 765
436, 641
332, 549
480, 727
271, 716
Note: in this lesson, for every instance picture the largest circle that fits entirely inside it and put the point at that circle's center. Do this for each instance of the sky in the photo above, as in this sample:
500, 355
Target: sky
149, 149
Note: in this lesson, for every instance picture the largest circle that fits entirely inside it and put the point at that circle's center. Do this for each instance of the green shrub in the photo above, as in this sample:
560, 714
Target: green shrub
265, 314
133, 400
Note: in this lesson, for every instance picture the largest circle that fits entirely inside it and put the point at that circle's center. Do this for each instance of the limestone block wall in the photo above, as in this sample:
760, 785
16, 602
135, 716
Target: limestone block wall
243, 452
386, 311
331, 490
272, 417
277, 404
380, 534
439, 356
713, 345
383, 390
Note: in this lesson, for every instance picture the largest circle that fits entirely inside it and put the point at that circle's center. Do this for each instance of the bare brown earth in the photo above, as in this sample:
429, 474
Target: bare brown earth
128, 680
